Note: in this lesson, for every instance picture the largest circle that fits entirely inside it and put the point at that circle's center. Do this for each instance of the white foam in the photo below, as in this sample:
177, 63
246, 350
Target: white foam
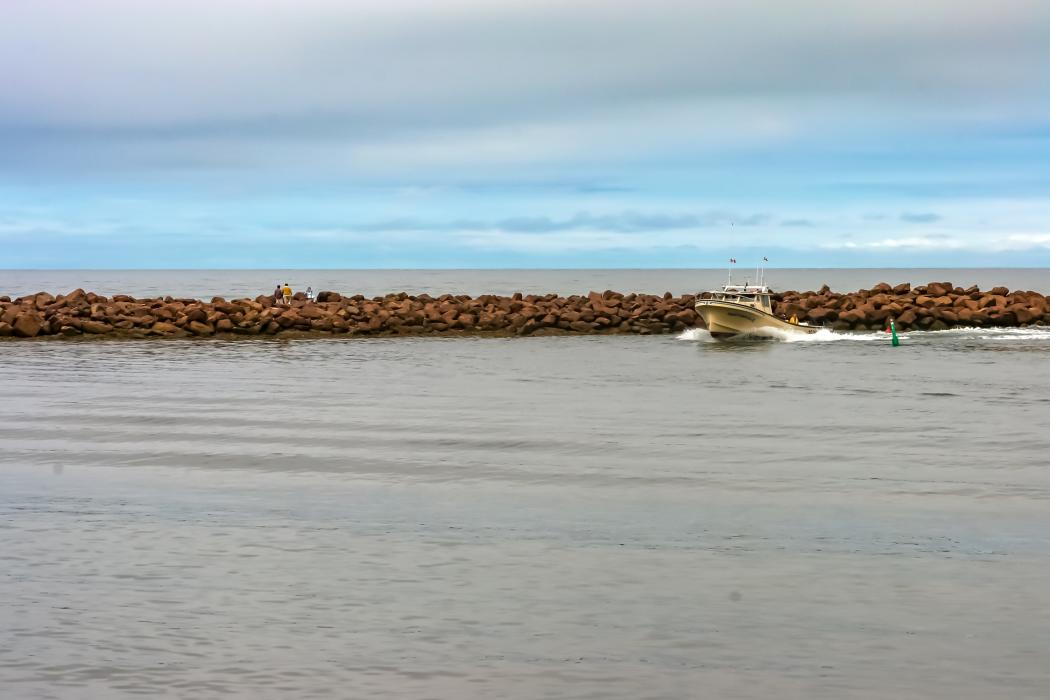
998, 334
824, 335
694, 334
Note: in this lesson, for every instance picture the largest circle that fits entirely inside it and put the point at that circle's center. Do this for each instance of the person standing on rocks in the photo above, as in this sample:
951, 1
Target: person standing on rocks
287, 291
309, 293
277, 294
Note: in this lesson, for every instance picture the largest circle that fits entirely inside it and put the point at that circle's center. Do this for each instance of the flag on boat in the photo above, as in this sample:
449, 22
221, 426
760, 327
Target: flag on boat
765, 259
732, 261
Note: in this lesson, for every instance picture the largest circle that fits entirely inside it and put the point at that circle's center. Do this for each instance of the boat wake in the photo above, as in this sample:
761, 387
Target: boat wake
996, 334
822, 336
828, 336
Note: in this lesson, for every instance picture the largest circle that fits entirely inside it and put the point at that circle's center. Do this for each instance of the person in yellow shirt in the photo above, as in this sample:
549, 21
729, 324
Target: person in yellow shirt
287, 292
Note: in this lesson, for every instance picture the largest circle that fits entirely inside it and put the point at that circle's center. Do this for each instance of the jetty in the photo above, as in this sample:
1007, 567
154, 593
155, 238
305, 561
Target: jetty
79, 314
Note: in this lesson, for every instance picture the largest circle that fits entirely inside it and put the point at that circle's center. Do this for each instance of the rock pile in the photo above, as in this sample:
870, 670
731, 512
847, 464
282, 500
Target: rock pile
82, 313
935, 306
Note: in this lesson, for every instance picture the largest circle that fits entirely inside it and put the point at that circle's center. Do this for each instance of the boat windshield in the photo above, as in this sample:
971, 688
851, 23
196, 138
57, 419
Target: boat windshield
733, 297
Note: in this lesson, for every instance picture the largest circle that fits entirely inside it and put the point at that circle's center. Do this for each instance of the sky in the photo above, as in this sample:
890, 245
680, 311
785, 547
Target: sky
524, 133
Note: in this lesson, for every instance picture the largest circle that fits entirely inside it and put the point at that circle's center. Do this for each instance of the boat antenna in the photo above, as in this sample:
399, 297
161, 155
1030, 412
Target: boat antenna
761, 273
732, 261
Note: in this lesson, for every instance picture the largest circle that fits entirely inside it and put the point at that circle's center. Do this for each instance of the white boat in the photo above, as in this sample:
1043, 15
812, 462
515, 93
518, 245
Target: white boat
745, 310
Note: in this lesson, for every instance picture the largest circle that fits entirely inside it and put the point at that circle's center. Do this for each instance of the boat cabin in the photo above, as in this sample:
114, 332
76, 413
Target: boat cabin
749, 295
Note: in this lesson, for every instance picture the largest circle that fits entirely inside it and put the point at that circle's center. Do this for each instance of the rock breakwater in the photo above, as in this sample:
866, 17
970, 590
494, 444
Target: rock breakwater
933, 306
81, 313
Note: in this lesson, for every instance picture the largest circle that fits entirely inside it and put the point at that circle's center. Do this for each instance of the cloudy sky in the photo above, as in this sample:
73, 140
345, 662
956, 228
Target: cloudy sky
524, 133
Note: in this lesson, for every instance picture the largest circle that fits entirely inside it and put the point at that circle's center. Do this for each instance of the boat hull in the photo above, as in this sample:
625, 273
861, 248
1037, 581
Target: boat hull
727, 320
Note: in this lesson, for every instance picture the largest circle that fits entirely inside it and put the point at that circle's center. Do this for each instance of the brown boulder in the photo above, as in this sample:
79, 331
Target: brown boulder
1003, 318
321, 324
925, 301
95, 327
879, 315
947, 316
851, 316
311, 312
224, 325
1023, 315
202, 329
6, 329
197, 315
658, 327
986, 301
935, 289
28, 325
821, 315
686, 316
1000, 291
902, 288
163, 328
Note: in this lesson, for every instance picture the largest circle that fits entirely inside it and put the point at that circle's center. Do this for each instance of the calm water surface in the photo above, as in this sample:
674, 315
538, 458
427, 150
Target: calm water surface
231, 284
574, 517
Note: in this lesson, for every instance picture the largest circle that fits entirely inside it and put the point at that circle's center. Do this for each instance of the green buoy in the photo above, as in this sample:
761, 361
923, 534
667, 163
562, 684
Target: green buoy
893, 330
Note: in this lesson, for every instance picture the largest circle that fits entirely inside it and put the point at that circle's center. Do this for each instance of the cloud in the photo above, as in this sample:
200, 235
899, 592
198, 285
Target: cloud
21, 227
321, 59
919, 218
388, 86
1002, 242
620, 222
529, 124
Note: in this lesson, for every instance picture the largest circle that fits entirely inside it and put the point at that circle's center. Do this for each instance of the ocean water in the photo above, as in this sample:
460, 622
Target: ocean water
231, 284
562, 517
